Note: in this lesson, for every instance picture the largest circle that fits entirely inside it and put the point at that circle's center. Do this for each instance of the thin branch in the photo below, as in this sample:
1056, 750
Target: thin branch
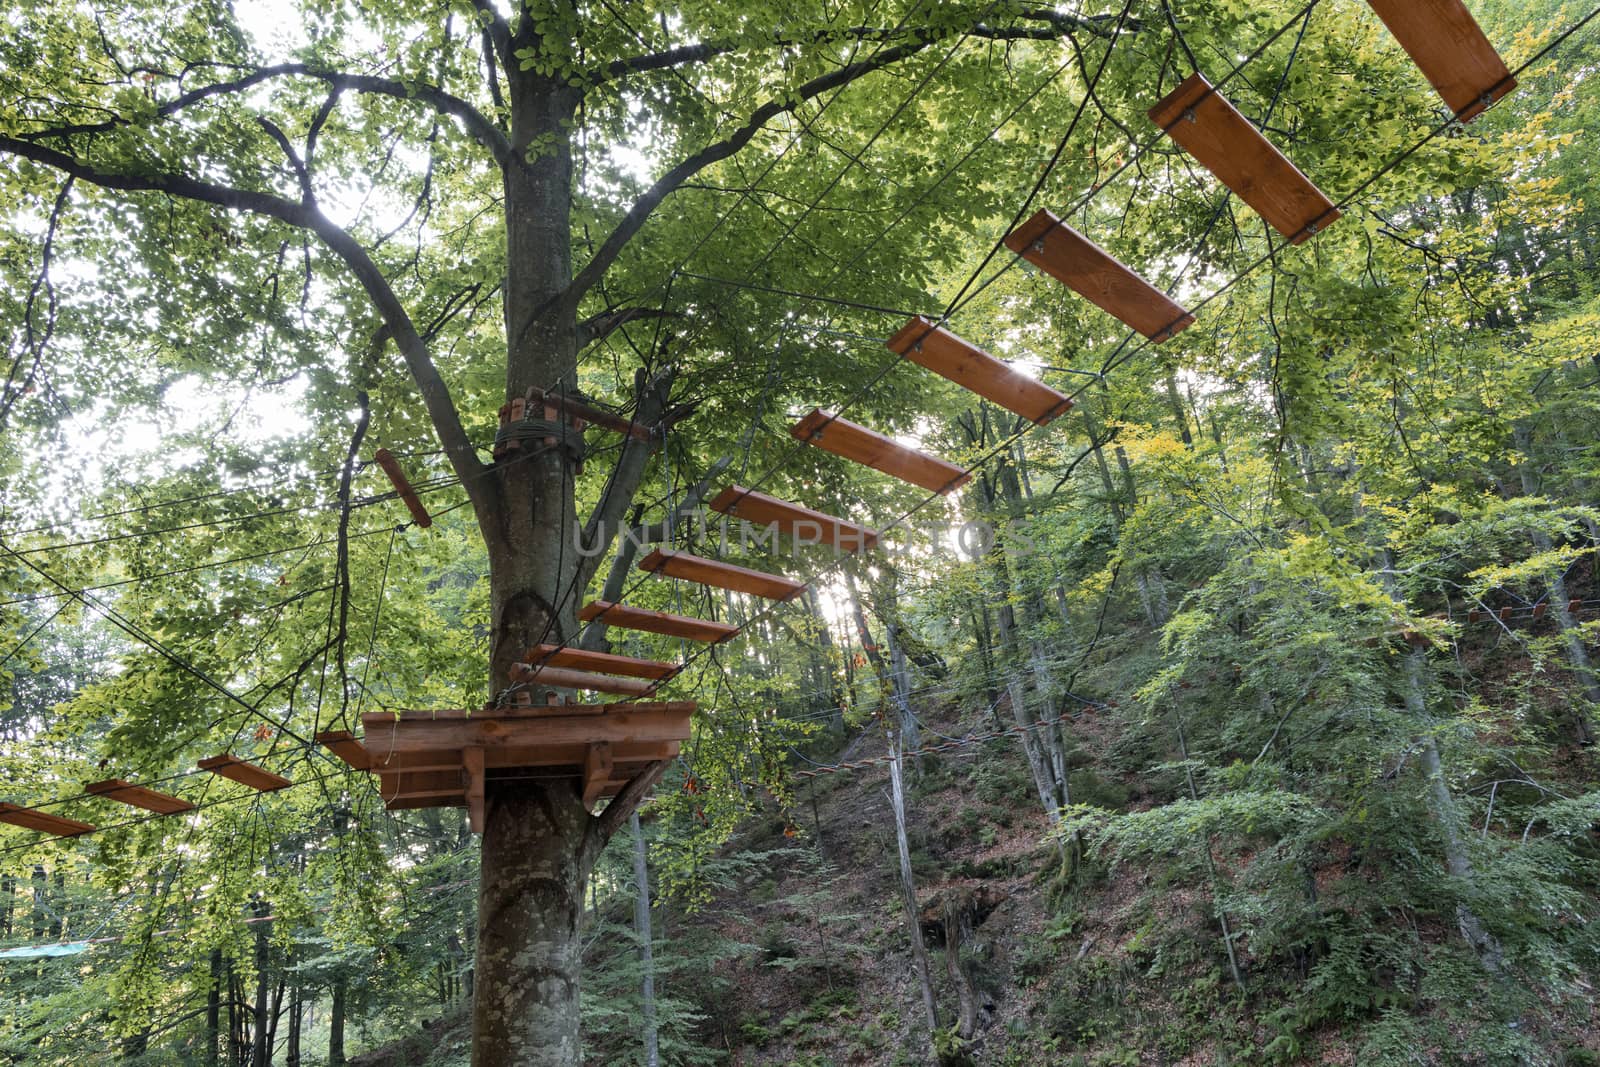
598, 327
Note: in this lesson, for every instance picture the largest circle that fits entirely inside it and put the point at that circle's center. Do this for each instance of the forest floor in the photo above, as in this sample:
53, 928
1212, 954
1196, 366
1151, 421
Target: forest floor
1108, 967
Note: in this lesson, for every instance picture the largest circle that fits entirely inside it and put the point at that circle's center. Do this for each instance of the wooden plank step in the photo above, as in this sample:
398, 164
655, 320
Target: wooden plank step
44, 822
1093, 273
562, 678
1223, 141
139, 796
402, 487
666, 561
235, 769
656, 622
1446, 42
600, 662
872, 449
343, 743
929, 345
803, 524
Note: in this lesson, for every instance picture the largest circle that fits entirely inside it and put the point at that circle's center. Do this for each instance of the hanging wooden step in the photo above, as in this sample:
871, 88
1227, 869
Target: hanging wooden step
563, 678
1445, 41
1093, 273
402, 486
929, 345
343, 743
44, 822
656, 622
235, 769
139, 796
720, 575
1208, 127
802, 524
872, 449
600, 662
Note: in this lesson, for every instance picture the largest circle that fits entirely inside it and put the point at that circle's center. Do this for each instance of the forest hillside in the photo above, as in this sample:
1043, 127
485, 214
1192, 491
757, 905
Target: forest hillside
550, 532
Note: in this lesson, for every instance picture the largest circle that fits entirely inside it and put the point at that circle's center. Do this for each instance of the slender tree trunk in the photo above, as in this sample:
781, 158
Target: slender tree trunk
641, 927
908, 888
214, 1009
260, 1042
336, 1011
1570, 634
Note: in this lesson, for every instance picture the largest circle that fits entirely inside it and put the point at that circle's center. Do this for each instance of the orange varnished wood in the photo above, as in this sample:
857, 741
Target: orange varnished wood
235, 769
597, 771
939, 350
803, 524
563, 678
344, 745
489, 730
1093, 273
473, 769
139, 796
44, 822
656, 622
1224, 142
872, 449
1445, 41
720, 575
600, 662
402, 486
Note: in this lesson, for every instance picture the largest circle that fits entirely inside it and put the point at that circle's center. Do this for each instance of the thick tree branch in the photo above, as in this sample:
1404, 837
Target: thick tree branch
606, 518
498, 32
1057, 24
623, 805
598, 327
478, 126
435, 394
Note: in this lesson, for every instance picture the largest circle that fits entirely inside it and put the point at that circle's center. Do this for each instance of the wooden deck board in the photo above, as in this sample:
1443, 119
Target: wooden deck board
238, 770
803, 524
599, 662
1223, 141
1447, 44
44, 822
937, 349
657, 622
1093, 273
872, 449
666, 561
139, 796
344, 745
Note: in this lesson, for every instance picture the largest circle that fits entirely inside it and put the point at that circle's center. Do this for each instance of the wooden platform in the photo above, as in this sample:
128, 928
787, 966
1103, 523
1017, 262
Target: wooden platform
929, 345
1445, 41
453, 758
139, 796
872, 449
1093, 273
800, 523
1223, 141
720, 575
600, 662
235, 769
656, 622
44, 822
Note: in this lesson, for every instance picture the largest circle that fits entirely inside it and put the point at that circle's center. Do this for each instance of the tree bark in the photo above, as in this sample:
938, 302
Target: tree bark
260, 1044
336, 1011
908, 889
641, 927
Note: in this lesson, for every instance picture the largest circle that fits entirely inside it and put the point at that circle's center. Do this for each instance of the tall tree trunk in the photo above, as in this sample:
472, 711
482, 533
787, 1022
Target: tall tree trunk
1570, 634
641, 928
336, 1011
260, 1043
908, 887
214, 1009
